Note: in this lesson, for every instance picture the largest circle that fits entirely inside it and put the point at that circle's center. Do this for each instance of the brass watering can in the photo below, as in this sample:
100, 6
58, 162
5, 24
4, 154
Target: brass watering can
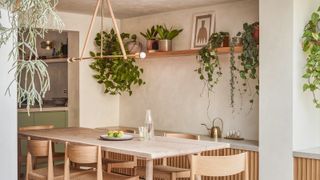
215, 131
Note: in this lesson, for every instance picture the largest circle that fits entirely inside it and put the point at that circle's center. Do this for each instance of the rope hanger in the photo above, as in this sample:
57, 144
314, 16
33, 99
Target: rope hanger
100, 3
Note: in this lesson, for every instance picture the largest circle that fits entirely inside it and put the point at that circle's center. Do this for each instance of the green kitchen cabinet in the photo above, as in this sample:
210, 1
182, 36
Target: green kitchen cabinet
57, 118
25, 120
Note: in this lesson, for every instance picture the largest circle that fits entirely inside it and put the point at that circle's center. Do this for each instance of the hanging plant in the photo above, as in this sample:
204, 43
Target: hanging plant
233, 70
29, 19
249, 58
311, 46
209, 66
117, 75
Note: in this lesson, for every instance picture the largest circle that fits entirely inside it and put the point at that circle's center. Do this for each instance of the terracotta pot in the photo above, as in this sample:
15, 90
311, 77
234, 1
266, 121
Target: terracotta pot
226, 41
256, 34
152, 45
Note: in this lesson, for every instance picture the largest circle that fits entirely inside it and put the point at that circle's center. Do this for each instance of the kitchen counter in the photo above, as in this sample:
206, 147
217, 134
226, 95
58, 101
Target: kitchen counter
44, 109
248, 145
311, 153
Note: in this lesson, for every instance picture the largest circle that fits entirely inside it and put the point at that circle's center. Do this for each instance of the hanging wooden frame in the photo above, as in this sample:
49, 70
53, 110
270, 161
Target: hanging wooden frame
100, 3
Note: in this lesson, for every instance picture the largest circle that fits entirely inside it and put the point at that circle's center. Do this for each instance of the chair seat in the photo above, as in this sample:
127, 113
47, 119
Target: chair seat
165, 172
169, 169
92, 175
115, 160
42, 173
114, 163
57, 170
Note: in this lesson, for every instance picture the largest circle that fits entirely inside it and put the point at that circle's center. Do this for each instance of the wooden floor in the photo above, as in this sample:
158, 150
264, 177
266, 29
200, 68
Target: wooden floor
182, 162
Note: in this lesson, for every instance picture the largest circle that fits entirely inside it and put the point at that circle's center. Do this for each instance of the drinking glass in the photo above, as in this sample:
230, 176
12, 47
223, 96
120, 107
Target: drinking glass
142, 131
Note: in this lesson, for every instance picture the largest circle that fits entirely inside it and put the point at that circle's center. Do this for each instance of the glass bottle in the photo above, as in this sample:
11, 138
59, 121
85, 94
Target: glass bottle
149, 125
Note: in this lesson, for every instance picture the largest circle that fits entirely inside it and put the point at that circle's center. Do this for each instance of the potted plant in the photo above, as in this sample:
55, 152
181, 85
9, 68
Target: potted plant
151, 37
249, 58
311, 47
256, 32
116, 75
133, 45
209, 70
28, 21
166, 36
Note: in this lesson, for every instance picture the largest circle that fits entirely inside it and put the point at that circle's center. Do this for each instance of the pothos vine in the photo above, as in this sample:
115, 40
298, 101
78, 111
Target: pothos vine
233, 69
210, 69
117, 75
311, 46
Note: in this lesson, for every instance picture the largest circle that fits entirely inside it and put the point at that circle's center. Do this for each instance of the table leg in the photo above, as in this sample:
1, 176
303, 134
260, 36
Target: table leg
197, 177
149, 169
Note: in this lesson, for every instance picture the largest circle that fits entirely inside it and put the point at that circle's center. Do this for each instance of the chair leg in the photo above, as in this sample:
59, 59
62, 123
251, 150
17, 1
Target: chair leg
34, 164
109, 168
173, 176
135, 171
19, 158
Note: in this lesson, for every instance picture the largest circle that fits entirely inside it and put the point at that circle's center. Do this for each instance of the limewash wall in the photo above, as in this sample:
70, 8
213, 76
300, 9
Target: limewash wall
306, 118
288, 119
276, 70
96, 108
173, 89
8, 111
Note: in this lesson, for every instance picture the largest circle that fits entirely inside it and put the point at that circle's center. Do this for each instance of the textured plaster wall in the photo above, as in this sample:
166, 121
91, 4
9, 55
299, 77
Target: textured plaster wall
173, 89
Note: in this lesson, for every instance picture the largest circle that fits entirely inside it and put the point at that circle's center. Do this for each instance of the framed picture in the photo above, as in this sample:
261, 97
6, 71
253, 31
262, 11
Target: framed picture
203, 27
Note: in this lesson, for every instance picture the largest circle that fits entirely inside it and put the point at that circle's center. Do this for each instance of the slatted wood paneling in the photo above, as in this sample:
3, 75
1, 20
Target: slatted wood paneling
182, 161
306, 169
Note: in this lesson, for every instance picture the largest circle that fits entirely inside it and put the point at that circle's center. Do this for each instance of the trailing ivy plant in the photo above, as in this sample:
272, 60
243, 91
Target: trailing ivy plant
209, 66
311, 46
117, 74
233, 70
249, 58
29, 19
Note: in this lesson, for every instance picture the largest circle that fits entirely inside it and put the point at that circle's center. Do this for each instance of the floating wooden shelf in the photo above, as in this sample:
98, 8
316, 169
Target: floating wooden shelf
192, 52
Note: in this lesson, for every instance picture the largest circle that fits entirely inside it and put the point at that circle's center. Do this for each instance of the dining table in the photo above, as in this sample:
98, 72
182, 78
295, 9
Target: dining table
156, 148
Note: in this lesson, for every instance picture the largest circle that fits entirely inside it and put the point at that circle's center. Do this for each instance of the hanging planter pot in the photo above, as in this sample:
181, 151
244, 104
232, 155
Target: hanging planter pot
165, 45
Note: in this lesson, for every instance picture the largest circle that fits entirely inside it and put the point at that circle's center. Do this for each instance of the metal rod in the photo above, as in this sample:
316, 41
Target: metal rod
101, 30
90, 28
117, 30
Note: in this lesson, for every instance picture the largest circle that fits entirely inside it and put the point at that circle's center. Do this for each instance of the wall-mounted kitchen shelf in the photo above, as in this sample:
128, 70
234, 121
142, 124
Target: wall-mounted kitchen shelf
56, 60
192, 52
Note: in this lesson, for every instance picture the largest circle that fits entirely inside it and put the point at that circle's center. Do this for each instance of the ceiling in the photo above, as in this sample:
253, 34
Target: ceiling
133, 8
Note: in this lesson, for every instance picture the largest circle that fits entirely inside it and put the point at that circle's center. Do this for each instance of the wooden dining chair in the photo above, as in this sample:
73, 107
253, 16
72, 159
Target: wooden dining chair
41, 148
56, 156
165, 171
218, 166
111, 162
182, 135
84, 154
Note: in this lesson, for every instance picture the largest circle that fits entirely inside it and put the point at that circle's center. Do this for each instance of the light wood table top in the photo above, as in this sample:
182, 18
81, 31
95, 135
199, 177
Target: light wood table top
158, 147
